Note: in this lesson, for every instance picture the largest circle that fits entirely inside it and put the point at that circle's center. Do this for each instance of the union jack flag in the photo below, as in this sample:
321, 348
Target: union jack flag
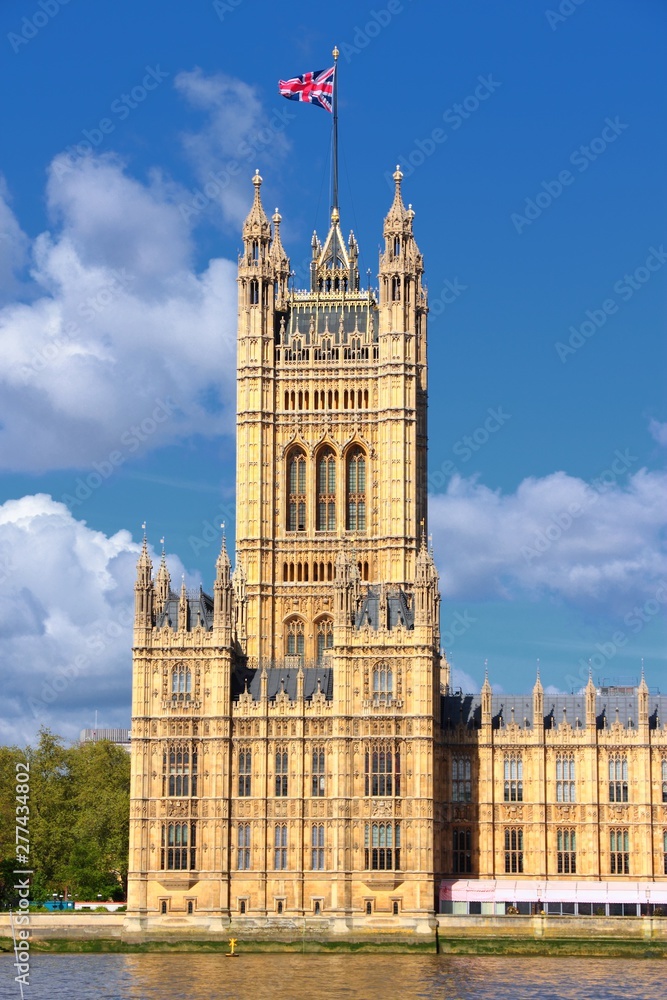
314, 88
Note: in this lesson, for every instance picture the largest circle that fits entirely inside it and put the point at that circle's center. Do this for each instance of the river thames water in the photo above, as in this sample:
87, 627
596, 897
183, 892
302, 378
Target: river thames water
320, 977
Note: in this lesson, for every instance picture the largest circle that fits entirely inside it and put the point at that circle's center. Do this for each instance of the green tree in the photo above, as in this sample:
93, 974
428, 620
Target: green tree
9, 758
98, 861
51, 814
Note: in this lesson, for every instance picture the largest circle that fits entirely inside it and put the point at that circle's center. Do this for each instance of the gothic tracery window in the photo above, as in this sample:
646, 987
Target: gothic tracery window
565, 787
294, 643
618, 779
179, 771
181, 683
382, 771
513, 774
356, 489
324, 637
178, 847
383, 684
326, 490
296, 491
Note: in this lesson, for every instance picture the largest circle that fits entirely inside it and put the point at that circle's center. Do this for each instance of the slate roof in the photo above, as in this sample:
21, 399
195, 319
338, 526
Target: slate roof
398, 610
281, 677
465, 709
200, 611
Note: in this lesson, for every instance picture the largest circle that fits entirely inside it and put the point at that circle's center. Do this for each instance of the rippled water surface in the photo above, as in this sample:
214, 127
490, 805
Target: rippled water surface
315, 977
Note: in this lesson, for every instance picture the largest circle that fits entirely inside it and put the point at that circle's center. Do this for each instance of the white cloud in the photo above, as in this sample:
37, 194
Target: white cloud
658, 432
237, 137
66, 606
118, 322
460, 679
14, 246
556, 537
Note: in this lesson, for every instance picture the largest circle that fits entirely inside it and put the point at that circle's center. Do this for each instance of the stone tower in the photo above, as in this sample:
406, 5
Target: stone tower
285, 730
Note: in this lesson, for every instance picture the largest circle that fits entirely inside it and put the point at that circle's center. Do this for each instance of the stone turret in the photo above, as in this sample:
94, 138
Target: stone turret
162, 583
223, 599
143, 589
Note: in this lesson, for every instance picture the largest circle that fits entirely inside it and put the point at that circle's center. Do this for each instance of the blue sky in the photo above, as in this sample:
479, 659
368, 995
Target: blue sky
532, 141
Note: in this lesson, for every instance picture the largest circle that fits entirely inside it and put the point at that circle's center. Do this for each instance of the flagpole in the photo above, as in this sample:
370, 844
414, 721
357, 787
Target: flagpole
334, 207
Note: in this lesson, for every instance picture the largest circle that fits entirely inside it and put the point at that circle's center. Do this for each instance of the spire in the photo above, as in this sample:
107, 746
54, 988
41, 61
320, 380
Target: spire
162, 580
183, 608
487, 695
277, 252
642, 701
223, 563
590, 694
398, 218
143, 588
144, 564
538, 701
256, 225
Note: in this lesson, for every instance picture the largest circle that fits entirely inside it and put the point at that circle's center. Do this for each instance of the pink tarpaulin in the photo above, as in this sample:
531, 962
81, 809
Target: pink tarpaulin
552, 891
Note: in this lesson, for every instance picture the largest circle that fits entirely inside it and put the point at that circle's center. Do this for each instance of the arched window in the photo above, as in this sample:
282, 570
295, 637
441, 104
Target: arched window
324, 637
296, 490
383, 684
254, 292
326, 490
396, 289
181, 683
664, 785
294, 637
356, 489
255, 250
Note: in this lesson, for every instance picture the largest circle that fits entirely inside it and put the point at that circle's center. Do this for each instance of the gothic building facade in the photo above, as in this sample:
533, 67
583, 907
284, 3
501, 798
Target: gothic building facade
297, 751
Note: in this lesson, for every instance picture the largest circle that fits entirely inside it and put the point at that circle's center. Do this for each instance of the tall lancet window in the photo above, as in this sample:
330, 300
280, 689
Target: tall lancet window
326, 490
356, 490
296, 489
